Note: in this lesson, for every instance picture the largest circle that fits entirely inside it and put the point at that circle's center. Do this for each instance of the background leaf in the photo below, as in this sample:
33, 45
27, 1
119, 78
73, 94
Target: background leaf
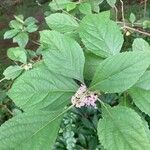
85, 8
64, 55
121, 128
12, 72
10, 33
111, 2
59, 4
140, 44
22, 39
62, 22
118, 73
17, 54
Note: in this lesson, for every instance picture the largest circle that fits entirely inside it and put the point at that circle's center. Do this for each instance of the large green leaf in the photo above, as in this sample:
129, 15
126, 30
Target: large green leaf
100, 35
122, 129
144, 81
33, 130
62, 22
40, 88
140, 44
118, 73
91, 63
64, 55
141, 98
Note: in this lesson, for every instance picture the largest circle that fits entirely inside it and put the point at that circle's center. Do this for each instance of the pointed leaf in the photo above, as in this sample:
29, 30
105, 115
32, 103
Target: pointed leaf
140, 44
62, 22
22, 39
111, 2
10, 33
118, 73
12, 72
144, 81
33, 130
63, 55
59, 4
100, 35
91, 63
17, 54
39, 88
141, 98
85, 8
123, 129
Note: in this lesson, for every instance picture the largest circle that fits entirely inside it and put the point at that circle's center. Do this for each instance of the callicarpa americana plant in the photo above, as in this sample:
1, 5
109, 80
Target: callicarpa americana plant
80, 61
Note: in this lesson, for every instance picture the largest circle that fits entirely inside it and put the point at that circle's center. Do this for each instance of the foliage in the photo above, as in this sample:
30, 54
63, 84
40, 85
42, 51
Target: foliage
80, 62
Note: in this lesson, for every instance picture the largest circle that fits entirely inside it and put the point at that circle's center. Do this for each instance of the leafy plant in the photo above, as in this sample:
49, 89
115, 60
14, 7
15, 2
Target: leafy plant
62, 81
20, 29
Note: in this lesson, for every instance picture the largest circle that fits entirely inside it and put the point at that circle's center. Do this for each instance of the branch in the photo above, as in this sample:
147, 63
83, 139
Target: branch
136, 30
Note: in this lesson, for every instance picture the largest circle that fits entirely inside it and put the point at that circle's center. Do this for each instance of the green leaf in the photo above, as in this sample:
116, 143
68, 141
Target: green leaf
15, 24
12, 72
122, 129
10, 33
40, 89
30, 21
111, 2
95, 5
132, 18
85, 8
71, 6
31, 28
59, 4
17, 54
33, 130
140, 44
64, 55
141, 98
62, 22
144, 81
146, 24
22, 39
118, 73
100, 35
91, 63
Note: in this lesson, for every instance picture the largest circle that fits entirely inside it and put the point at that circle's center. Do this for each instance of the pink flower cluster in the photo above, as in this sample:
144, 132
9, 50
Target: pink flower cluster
83, 97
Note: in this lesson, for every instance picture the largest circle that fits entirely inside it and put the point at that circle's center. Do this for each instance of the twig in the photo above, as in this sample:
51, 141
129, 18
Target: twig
122, 12
145, 7
127, 23
5, 107
35, 42
116, 12
136, 30
8, 110
2, 80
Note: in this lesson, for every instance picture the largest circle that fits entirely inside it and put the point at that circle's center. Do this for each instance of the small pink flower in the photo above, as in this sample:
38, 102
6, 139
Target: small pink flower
83, 97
